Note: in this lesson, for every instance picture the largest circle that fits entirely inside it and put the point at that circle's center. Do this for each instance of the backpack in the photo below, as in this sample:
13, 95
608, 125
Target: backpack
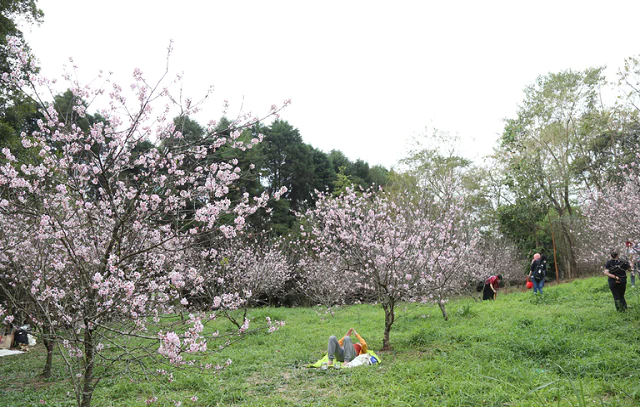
21, 337
480, 285
619, 268
538, 274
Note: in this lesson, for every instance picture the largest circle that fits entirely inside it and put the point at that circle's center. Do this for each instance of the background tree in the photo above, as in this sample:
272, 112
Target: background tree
253, 267
357, 173
324, 174
542, 144
389, 247
18, 116
17, 113
612, 215
289, 162
10, 11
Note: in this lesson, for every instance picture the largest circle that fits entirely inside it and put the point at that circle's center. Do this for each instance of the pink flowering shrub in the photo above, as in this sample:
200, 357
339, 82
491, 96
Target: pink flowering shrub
611, 218
387, 248
238, 273
100, 231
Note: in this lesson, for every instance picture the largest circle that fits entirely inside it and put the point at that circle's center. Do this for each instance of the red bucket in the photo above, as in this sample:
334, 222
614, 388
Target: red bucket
529, 284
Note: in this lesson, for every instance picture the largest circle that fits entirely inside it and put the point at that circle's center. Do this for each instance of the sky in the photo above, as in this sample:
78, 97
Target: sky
364, 77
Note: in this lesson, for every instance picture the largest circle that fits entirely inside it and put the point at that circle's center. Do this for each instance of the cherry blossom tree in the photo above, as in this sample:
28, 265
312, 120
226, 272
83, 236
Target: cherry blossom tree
498, 256
103, 228
255, 269
391, 247
611, 216
318, 282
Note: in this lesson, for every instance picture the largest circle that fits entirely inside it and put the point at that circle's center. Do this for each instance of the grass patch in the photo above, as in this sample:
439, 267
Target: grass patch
566, 348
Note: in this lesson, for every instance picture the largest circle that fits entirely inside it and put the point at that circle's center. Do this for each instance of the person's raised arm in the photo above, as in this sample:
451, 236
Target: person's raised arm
341, 341
365, 347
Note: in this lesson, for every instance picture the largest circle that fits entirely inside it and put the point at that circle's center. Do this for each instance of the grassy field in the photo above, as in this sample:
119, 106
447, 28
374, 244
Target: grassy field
568, 348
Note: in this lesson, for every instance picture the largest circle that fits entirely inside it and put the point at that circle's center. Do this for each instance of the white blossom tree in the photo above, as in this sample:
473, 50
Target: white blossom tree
100, 227
391, 247
255, 269
611, 216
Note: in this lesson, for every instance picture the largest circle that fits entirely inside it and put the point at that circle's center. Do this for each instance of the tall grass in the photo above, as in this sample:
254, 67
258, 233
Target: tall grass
567, 348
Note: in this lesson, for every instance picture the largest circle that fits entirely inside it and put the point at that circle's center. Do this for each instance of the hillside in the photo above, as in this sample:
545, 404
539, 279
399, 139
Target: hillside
569, 348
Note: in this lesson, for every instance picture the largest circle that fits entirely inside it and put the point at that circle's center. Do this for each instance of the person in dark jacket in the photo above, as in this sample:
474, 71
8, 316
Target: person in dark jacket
616, 270
537, 280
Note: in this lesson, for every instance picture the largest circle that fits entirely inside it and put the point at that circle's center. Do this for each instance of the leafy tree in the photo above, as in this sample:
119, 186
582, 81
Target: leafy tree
324, 174
438, 169
629, 83
17, 112
342, 182
542, 144
379, 175
21, 115
435, 171
521, 222
10, 11
289, 162
359, 173
339, 160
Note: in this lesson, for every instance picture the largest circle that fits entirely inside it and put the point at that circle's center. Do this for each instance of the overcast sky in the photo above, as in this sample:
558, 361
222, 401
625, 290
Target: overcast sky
364, 77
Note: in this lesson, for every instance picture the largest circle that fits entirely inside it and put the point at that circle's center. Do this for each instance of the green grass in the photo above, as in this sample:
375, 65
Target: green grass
568, 348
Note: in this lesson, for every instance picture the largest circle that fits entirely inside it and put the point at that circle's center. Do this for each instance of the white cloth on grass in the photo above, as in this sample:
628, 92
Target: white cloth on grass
6, 352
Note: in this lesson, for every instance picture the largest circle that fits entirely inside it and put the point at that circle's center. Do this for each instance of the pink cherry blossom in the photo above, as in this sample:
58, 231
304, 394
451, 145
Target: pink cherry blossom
104, 228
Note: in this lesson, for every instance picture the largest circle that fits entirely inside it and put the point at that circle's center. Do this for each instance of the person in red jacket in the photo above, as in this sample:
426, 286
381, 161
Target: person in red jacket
491, 287
344, 349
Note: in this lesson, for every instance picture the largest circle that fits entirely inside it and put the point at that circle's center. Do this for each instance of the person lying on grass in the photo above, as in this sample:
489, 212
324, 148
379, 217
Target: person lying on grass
344, 350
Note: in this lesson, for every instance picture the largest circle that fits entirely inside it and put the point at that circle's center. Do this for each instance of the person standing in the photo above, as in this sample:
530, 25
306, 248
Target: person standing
536, 256
490, 291
538, 273
616, 270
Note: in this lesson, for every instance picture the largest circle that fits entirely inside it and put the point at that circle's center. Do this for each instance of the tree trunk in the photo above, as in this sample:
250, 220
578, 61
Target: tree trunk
444, 311
48, 344
569, 260
389, 316
88, 385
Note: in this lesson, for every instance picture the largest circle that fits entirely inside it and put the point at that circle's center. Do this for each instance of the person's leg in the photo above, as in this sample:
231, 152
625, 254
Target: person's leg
541, 285
615, 290
334, 350
536, 286
349, 350
622, 289
487, 292
612, 287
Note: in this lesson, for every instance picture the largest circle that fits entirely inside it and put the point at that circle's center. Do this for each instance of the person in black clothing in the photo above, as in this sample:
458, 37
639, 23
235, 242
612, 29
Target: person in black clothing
538, 280
616, 270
